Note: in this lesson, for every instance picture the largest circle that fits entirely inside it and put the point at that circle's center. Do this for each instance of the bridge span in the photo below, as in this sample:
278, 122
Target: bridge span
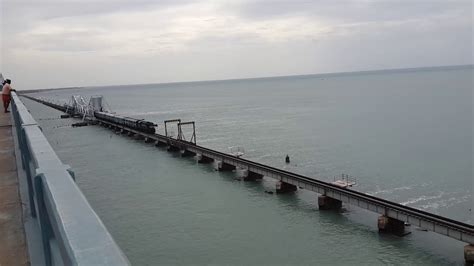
393, 217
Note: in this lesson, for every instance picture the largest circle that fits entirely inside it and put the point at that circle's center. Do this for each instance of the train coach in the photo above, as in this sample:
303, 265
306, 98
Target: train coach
130, 122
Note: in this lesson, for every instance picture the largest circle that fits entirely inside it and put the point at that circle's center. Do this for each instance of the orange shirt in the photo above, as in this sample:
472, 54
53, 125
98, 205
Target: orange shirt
6, 89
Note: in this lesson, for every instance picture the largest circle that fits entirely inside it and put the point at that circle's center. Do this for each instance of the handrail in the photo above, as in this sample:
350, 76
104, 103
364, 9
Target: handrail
61, 210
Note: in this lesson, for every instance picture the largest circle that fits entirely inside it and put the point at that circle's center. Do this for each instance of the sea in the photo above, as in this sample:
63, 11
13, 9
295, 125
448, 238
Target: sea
402, 135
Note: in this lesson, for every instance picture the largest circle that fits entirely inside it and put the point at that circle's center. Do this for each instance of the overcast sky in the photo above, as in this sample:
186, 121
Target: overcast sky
60, 43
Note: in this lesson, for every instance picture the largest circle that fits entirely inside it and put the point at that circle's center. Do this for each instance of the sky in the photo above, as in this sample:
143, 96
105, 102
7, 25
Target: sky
68, 43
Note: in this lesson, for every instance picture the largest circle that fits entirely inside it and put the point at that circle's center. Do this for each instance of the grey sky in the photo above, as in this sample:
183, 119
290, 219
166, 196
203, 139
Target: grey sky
58, 43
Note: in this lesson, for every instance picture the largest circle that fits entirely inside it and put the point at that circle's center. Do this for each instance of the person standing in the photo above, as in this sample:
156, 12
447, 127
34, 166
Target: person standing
6, 94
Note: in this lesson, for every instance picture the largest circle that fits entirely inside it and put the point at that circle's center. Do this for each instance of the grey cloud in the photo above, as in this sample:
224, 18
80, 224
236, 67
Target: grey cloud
20, 15
353, 10
237, 39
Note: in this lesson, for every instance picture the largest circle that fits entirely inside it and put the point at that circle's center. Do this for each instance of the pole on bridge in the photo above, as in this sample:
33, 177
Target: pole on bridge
170, 121
181, 134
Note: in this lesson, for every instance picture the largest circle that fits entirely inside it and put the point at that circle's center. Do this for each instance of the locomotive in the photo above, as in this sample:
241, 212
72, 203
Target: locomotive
133, 123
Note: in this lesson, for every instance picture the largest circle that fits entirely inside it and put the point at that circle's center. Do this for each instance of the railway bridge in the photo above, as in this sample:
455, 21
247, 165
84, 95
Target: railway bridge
393, 216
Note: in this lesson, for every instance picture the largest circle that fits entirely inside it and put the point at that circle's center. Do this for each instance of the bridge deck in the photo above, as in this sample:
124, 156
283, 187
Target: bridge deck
13, 250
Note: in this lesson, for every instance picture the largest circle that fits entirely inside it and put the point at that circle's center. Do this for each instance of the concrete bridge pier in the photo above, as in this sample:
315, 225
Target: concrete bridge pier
172, 148
469, 254
222, 166
251, 176
123, 131
203, 159
282, 187
186, 153
390, 225
130, 134
139, 137
160, 144
148, 140
327, 203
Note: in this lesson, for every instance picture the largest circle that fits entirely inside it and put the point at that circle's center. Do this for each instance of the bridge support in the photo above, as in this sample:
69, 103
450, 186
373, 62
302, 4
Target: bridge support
148, 140
390, 225
172, 148
130, 134
221, 166
160, 144
469, 254
139, 137
203, 159
282, 187
251, 176
327, 203
186, 153
123, 131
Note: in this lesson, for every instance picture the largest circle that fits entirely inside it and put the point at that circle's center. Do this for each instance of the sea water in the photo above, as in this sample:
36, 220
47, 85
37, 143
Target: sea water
405, 136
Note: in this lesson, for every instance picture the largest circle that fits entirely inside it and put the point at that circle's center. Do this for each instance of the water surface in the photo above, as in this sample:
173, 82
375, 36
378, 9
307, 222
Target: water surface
405, 136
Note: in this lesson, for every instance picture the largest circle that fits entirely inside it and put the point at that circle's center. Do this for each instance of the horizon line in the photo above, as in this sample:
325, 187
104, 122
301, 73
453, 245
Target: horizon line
373, 71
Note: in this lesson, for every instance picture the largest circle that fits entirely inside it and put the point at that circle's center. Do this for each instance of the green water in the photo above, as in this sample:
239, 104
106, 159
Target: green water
406, 137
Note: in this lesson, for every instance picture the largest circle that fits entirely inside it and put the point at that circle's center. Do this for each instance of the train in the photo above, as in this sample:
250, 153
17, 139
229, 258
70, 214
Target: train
130, 122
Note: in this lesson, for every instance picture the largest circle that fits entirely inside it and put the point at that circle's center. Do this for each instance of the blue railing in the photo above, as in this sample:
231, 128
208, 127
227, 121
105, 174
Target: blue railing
71, 231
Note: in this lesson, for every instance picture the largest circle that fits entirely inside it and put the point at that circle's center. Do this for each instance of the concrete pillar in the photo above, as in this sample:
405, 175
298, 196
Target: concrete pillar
160, 144
148, 140
221, 166
390, 225
327, 203
282, 187
139, 137
172, 148
131, 134
186, 153
123, 131
251, 176
203, 159
469, 254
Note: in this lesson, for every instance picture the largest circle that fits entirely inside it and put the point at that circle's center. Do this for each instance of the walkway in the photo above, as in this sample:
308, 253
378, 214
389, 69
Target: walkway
13, 249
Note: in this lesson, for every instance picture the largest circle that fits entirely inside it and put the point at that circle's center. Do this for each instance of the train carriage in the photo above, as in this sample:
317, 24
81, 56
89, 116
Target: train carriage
130, 122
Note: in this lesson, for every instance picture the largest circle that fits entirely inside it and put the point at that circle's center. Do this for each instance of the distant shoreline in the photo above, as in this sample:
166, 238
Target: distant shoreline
331, 74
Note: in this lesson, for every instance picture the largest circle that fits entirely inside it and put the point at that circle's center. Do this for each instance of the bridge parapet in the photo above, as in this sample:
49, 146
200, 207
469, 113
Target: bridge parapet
71, 232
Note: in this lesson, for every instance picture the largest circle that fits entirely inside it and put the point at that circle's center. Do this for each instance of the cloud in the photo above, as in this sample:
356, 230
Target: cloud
231, 38
158, 30
178, 28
